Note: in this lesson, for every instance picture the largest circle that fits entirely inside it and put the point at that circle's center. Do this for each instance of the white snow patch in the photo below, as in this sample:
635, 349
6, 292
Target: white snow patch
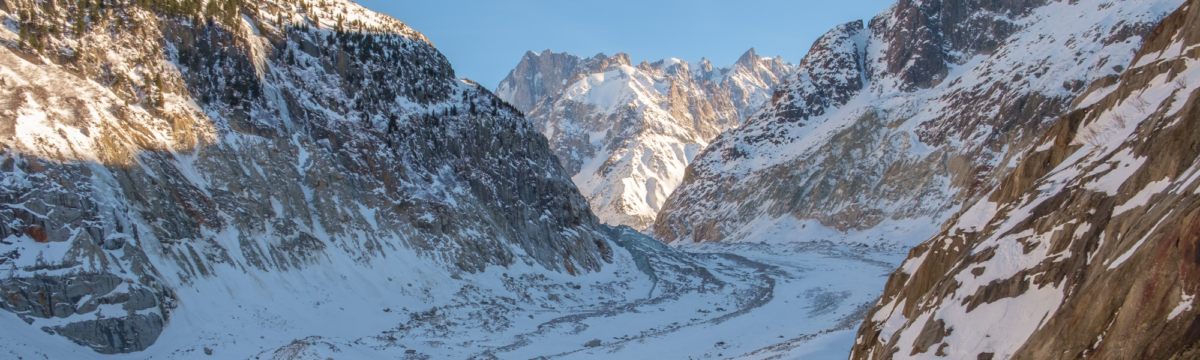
1142, 197
1185, 304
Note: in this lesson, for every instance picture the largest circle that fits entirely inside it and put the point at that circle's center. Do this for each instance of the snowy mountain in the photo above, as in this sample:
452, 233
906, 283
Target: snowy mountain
308, 180
159, 157
626, 133
1087, 249
896, 123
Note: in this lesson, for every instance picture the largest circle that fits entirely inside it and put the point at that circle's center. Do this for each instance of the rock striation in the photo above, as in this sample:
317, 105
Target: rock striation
626, 132
1087, 248
148, 147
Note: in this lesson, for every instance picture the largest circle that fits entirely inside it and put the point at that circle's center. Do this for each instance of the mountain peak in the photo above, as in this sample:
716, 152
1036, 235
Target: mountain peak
667, 110
749, 58
623, 59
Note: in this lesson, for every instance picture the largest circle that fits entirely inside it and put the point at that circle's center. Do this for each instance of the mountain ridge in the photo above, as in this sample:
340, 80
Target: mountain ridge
1086, 248
626, 132
223, 144
871, 130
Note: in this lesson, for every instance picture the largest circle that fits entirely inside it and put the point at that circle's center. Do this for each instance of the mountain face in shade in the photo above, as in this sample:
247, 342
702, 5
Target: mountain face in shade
154, 149
1087, 248
626, 132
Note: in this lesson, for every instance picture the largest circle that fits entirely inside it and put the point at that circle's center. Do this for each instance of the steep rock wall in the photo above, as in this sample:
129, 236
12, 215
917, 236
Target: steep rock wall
904, 119
148, 146
1087, 250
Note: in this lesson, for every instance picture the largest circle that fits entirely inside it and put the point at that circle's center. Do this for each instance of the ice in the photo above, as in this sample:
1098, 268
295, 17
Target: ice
748, 307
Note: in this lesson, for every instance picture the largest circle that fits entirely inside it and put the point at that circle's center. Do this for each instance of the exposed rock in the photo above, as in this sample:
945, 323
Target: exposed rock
234, 140
115, 335
539, 75
36, 233
904, 119
1087, 248
626, 132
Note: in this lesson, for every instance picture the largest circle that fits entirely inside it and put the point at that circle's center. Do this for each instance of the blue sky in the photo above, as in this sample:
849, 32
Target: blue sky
486, 39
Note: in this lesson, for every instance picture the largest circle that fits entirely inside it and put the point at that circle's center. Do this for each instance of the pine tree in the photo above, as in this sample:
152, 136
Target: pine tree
391, 127
212, 8
93, 9
23, 34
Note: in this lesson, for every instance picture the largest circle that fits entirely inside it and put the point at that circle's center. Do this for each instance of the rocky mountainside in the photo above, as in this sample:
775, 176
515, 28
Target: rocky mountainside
895, 123
1088, 248
624, 132
161, 156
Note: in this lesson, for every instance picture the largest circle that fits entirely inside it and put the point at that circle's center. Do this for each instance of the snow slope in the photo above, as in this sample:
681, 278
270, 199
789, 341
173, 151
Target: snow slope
906, 117
1086, 250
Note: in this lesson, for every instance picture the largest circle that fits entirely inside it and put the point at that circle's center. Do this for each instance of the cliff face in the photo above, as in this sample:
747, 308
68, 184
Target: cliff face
626, 133
902, 120
1088, 247
540, 75
152, 148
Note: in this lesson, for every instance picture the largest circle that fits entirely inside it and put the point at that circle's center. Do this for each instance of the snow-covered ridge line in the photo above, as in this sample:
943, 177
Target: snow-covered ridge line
627, 132
908, 116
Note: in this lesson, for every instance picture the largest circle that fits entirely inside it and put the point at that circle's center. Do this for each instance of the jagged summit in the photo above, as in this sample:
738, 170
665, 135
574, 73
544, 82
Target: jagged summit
538, 75
749, 59
626, 133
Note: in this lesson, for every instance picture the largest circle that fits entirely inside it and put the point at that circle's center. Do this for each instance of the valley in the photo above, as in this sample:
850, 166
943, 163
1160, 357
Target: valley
712, 301
294, 180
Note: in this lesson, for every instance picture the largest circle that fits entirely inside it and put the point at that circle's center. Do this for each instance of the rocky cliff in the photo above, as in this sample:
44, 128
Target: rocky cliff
1087, 249
153, 152
626, 132
899, 121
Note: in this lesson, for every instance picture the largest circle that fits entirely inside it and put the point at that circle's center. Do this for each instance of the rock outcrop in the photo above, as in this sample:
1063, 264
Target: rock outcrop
626, 132
903, 119
1087, 249
149, 146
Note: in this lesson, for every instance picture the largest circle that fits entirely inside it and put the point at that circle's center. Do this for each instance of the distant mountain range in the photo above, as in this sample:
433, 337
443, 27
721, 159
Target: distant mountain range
626, 133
